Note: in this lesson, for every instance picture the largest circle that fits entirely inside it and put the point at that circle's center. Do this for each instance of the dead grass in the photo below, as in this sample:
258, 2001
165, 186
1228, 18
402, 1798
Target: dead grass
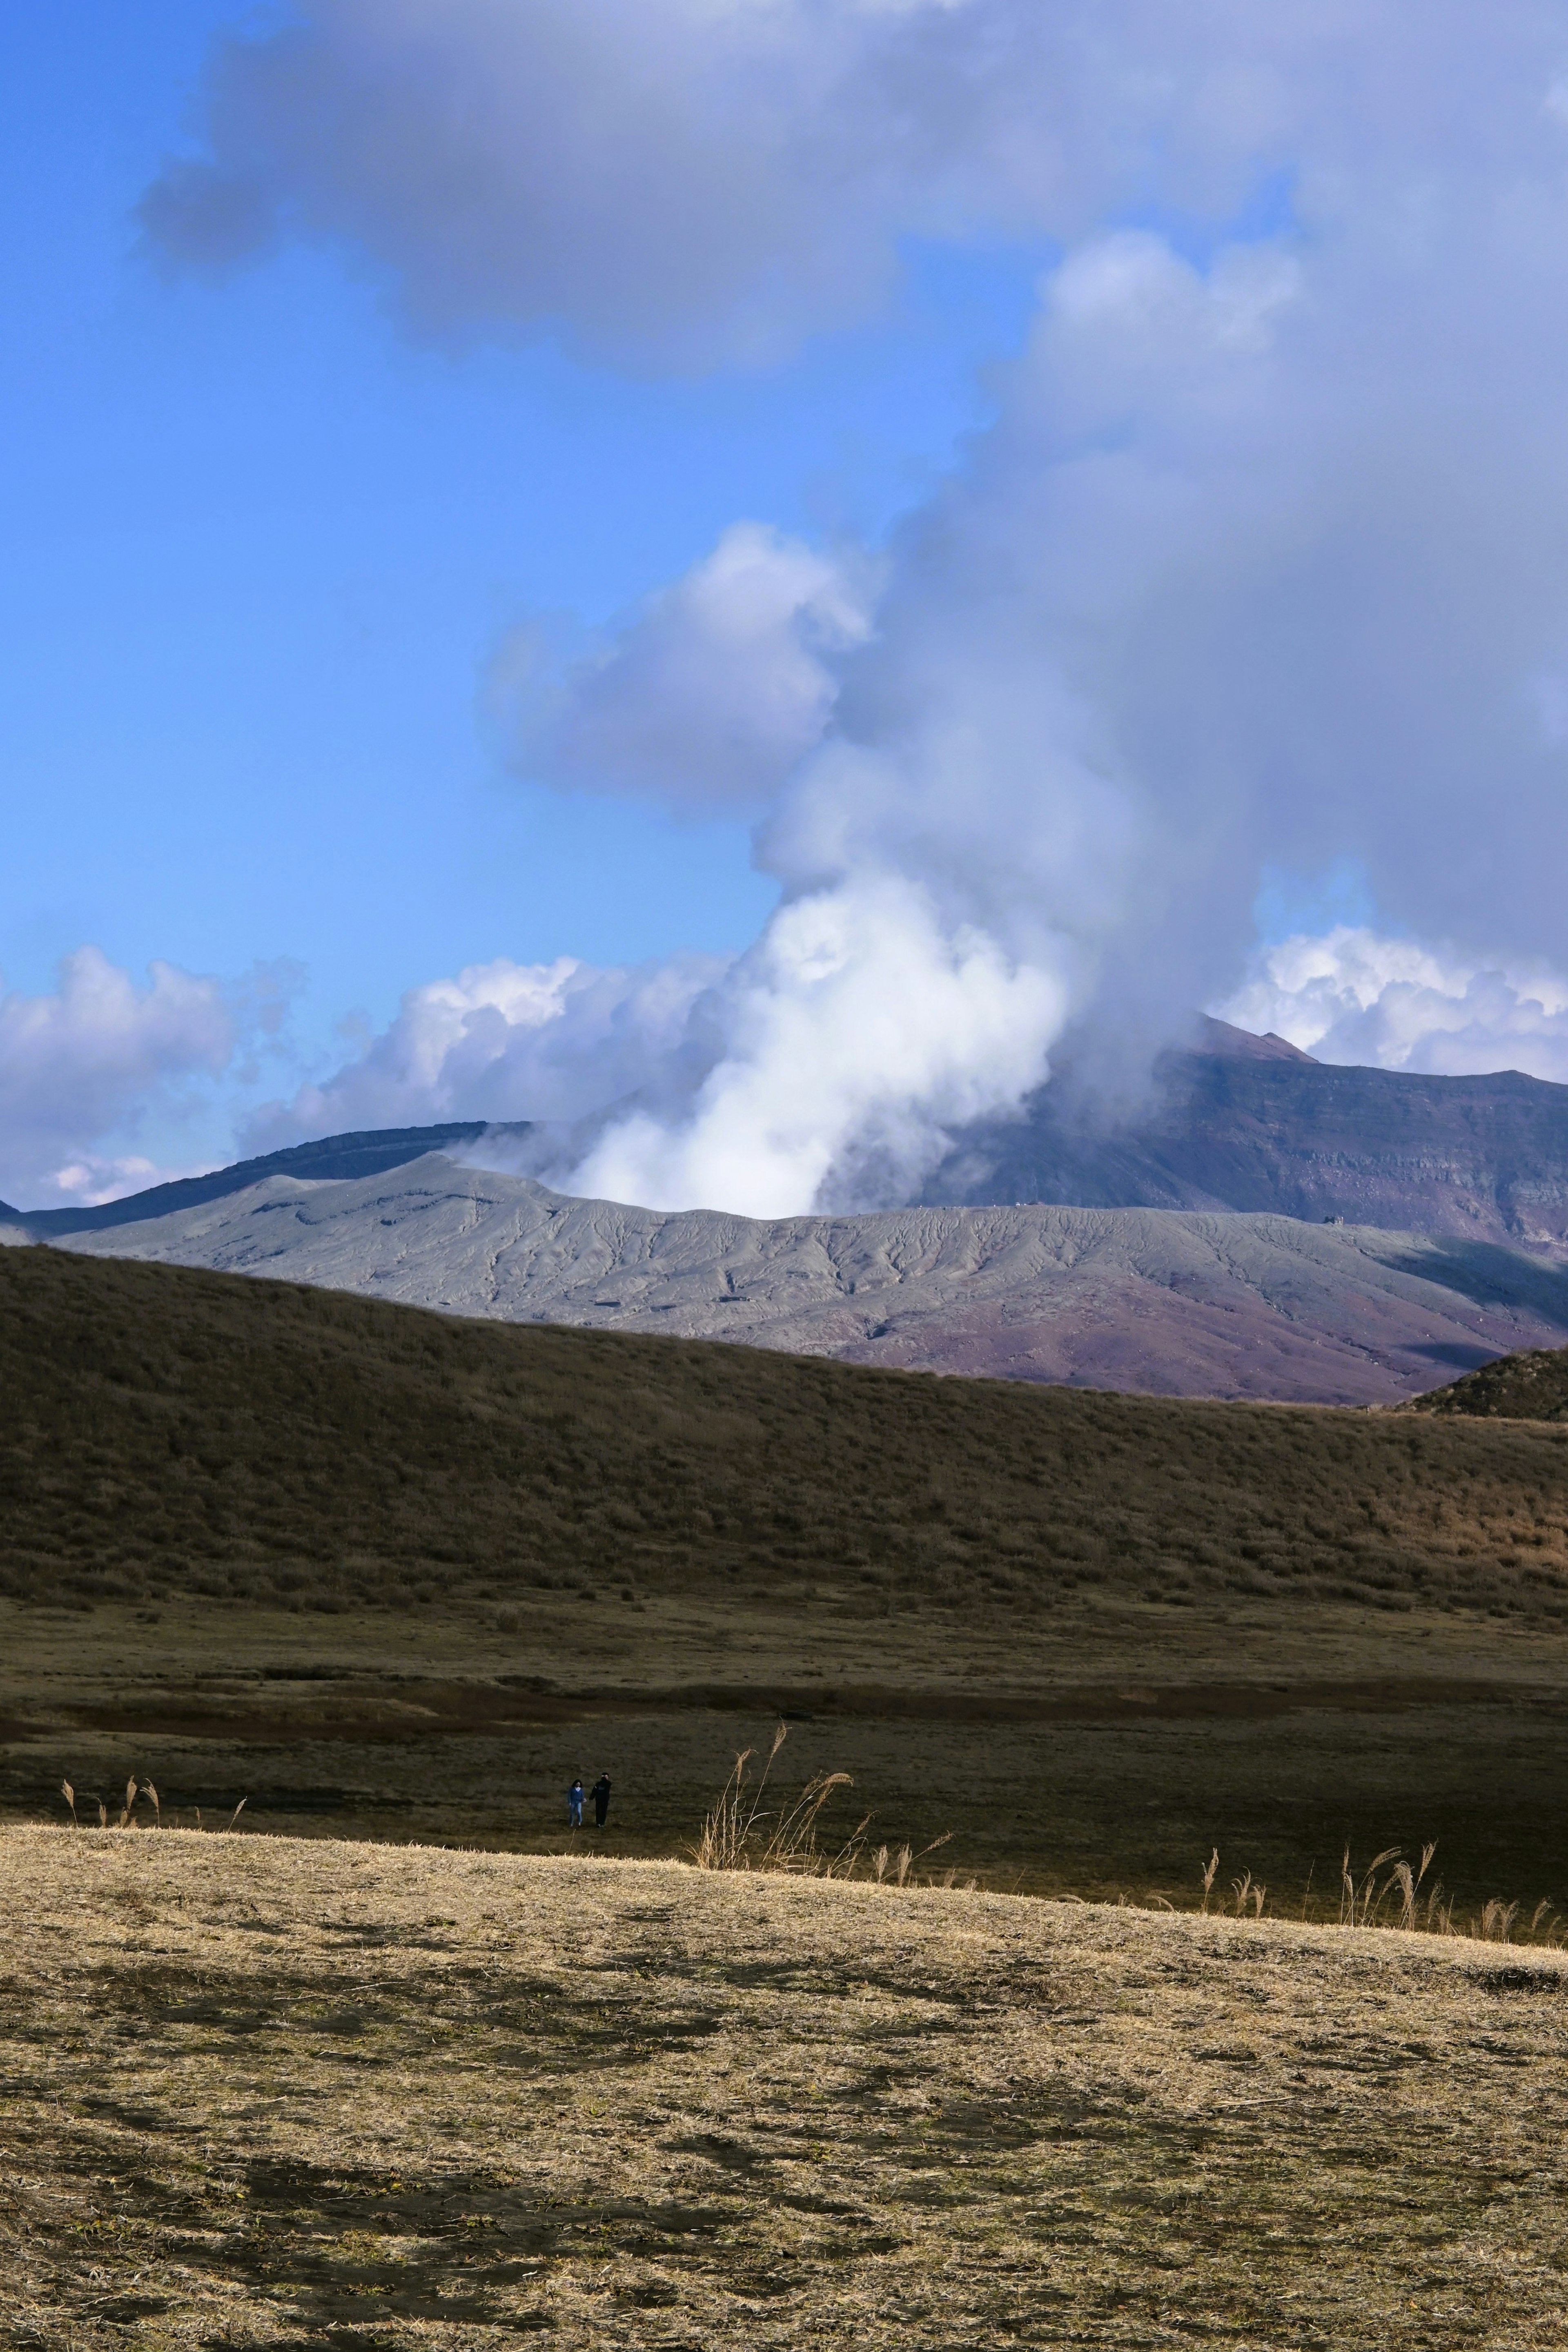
166, 1432
738, 1834
1531, 1384
1395, 1900
742, 1832
1091, 1755
266, 2094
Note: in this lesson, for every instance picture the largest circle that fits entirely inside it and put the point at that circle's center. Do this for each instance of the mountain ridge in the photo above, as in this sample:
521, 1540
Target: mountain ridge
1162, 1301
1235, 1122
1482, 1157
365, 1152
1266, 1226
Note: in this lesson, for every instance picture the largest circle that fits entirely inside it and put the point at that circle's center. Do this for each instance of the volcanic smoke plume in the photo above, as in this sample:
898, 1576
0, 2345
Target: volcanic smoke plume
1259, 568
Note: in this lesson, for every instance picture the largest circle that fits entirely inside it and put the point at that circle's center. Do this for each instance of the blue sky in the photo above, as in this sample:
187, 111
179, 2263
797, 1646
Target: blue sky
261, 546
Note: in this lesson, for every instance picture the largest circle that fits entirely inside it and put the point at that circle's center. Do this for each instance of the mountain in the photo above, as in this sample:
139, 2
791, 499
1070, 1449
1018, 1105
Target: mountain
1173, 1302
333, 1158
1241, 1122
1251, 1123
1265, 1225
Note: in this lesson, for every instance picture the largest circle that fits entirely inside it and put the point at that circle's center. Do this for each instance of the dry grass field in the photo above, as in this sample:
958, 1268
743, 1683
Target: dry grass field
342, 2079
1530, 1385
267, 2094
167, 1432
1099, 1753
393, 1576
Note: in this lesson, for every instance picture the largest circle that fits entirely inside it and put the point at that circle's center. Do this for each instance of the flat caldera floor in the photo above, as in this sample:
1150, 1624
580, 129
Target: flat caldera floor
1091, 1750
290, 2093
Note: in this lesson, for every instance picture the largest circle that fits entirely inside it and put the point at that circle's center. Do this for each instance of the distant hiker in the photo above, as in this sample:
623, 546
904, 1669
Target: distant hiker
575, 1806
601, 1800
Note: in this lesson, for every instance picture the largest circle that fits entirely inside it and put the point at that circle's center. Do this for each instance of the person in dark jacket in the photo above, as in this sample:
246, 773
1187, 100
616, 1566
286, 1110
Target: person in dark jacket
601, 1800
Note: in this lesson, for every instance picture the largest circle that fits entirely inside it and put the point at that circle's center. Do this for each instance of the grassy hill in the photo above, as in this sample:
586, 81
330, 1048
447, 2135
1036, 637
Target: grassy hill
392, 1574
1532, 1384
261, 2091
167, 1431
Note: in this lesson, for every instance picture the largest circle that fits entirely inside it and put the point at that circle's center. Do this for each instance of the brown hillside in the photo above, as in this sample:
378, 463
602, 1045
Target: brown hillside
1532, 1384
165, 1430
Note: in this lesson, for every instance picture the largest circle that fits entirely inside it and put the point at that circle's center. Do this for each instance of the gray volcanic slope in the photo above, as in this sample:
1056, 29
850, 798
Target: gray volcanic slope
1178, 1302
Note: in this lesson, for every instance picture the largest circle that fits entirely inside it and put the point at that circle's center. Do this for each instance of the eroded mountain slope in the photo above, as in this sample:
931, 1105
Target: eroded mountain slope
1180, 1303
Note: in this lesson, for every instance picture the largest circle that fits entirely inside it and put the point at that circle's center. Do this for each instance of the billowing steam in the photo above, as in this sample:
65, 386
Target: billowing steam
1263, 563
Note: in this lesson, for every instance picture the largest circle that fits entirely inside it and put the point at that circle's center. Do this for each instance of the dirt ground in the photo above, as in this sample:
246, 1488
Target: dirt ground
271, 2093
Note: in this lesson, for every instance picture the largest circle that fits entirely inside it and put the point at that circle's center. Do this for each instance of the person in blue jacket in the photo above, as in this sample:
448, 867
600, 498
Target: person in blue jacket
575, 1806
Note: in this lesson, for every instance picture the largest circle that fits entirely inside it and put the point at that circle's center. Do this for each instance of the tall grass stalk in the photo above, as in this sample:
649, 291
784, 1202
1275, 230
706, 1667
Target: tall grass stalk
1394, 1899
738, 1834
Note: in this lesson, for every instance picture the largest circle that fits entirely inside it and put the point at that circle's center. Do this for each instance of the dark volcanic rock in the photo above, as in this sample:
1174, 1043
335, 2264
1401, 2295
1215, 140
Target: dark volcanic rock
1255, 1130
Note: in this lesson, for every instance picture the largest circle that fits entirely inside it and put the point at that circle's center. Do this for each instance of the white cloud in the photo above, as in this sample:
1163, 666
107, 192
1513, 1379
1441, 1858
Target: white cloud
80, 1062
825, 1064
1260, 566
674, 181
685, 181
1352, 997
553, 1043
708, 697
